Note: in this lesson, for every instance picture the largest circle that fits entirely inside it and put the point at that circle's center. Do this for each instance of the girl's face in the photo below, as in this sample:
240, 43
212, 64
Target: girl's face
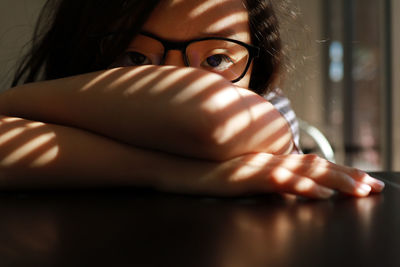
186, 20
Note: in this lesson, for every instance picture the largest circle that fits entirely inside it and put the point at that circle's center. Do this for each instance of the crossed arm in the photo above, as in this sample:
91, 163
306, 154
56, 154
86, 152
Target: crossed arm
173, 129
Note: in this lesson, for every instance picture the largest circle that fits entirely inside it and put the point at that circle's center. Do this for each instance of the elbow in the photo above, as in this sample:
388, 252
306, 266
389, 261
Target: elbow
221, 145
225, 121
242, 123
204, 118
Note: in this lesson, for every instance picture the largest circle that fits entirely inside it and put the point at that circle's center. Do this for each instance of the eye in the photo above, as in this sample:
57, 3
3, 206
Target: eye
217, 62
131, 58
136, 58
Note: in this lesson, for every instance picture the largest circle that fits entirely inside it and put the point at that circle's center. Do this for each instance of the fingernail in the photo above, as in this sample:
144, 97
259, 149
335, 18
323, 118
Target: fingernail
379, 185
326, 192
376, 184
363, 189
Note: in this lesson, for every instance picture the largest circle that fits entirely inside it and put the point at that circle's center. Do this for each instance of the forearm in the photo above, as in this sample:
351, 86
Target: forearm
152, 107
39, 155
177, 110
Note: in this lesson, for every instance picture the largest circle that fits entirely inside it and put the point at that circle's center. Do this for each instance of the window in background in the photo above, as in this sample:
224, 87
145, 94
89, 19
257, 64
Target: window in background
355, 83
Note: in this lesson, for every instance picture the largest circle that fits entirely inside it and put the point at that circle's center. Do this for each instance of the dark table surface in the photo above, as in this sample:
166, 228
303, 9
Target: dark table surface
144, 228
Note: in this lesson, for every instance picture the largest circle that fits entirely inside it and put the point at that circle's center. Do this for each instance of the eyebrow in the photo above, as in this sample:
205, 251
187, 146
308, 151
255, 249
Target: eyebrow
223, 33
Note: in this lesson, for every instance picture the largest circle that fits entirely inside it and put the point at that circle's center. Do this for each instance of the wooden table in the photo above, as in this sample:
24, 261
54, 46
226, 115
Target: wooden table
142, 228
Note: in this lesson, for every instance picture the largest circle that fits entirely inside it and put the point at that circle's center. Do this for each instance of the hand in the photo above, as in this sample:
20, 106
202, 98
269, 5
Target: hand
304, 175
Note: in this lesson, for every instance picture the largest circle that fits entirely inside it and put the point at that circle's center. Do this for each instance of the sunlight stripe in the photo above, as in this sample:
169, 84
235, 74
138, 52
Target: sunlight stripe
26, 149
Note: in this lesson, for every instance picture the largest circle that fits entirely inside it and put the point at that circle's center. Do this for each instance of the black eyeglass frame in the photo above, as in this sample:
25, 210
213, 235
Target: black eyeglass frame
168, 45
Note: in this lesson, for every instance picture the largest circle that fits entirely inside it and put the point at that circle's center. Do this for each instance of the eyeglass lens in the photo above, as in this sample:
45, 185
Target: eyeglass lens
224, 57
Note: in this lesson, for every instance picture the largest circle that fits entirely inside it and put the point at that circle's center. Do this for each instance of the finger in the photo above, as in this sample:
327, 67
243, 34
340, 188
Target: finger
376, 185
362, 177
345, 179
341, 181
357, 175
285, 181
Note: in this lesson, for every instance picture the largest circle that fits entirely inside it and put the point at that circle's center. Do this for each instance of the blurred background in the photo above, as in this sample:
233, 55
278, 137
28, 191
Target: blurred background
343, 82
347, 85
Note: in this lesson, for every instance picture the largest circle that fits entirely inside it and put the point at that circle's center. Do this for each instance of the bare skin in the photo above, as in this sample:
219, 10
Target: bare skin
172, 128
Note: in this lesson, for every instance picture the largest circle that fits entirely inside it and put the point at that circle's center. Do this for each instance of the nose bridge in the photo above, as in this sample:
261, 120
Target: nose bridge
174, 57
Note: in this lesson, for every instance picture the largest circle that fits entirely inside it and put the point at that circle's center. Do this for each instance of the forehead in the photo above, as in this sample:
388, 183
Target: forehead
188, 19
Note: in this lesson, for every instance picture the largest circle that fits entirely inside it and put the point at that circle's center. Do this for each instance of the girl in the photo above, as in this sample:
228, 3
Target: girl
162, 94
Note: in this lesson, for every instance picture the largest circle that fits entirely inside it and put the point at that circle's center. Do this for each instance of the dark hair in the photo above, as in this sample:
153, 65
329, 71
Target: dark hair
67, 39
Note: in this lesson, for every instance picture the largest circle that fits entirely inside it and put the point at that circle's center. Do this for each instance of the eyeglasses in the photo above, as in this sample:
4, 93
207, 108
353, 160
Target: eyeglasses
227, 57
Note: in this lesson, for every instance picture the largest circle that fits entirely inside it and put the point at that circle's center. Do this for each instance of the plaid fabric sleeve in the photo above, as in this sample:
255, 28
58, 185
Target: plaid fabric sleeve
282, 104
